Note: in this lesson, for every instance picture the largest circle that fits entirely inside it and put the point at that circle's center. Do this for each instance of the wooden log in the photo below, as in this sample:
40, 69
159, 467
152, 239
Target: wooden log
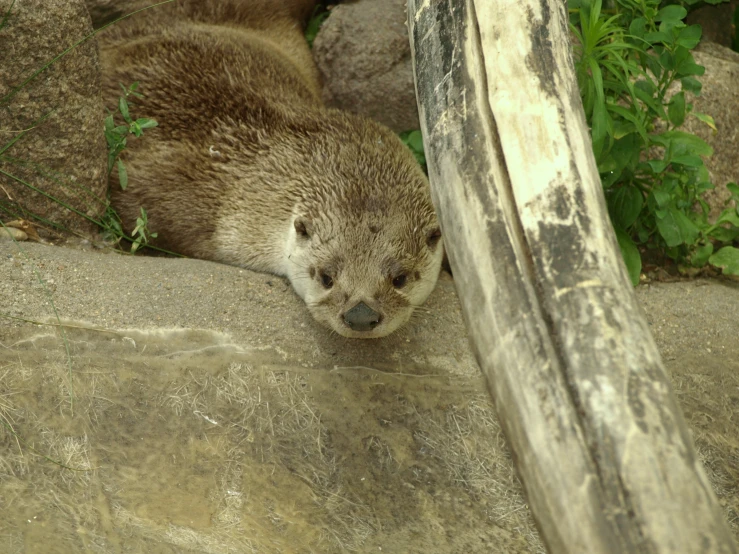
600, 444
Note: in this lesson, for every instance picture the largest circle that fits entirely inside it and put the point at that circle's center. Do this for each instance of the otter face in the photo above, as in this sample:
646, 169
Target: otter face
364, 281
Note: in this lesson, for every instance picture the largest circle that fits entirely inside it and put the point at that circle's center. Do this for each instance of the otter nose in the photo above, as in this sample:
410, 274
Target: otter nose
362, 318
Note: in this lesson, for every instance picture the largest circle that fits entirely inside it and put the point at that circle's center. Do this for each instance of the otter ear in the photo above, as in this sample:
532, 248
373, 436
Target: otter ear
303, 227
433, 236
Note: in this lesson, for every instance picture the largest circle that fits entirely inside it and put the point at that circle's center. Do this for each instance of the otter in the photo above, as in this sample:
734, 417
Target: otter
274, 181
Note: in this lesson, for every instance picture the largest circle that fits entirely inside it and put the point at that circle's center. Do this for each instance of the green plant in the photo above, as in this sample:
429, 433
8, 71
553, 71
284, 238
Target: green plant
414, 141
141, 234
628, 63
117, 135
319, 15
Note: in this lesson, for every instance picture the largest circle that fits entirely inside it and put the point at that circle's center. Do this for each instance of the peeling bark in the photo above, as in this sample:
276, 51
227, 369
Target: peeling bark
599, 441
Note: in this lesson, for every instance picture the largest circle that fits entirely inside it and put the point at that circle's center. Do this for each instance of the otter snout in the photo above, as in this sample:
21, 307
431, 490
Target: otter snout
362, 318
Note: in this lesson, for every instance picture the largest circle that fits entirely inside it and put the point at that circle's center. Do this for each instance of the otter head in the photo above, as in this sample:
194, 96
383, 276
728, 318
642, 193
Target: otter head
364, 247
363, 275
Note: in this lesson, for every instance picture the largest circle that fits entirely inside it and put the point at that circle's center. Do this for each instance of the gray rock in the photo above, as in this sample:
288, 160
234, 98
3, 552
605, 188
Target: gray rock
364, 57
62, 152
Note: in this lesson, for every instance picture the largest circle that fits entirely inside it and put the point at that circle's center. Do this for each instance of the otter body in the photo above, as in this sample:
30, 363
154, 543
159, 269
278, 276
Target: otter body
272, 180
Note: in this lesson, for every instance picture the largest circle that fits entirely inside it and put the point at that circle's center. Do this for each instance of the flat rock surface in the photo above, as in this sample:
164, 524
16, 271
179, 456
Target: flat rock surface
188, 406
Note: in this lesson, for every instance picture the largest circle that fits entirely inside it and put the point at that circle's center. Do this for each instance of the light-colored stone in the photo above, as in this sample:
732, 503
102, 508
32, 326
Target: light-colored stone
10, 233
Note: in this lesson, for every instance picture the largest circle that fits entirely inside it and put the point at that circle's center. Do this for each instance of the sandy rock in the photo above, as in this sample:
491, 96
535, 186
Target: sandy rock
63, 155
9, 233
364, 57
720, 99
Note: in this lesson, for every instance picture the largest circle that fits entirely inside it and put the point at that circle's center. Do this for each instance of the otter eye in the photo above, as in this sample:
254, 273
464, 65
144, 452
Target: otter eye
400, 280
432, 237
326, 280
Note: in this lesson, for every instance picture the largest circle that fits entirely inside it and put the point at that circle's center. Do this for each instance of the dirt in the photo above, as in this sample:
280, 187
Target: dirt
188, 406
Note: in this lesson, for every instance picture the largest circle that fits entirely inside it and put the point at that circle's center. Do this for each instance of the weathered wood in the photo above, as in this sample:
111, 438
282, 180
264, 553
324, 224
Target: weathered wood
599, 441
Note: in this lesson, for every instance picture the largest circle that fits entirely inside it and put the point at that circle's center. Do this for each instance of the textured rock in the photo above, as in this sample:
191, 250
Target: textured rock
63, 151
364, 57
720, 99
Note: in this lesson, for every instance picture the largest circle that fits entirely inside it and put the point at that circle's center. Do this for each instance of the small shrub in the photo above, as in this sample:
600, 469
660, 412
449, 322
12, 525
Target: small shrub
653, 172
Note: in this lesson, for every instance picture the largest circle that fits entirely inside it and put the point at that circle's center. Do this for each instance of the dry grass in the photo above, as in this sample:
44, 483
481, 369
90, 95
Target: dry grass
468, 441
271, 418
180, 440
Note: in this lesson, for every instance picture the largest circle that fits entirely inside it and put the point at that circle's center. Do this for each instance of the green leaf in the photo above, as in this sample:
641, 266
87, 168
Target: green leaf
671, 13
676, 228
134, 129
733, 188
647, 85
690, 36
658, 166
415, 141
692, 85
722, 234
599, 128
707, 119
657, 37
314, 25
630, 254
688, 160
655, 106
626, 150
654, 66
699, 256
123, 108
638, 27
625, 205
689, 67
122, 175
661, 198
146, 123
682, 143
727, 259
728, 216
676, 109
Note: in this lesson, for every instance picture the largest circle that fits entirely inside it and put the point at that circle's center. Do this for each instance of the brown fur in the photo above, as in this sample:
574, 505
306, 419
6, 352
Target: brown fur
245, 155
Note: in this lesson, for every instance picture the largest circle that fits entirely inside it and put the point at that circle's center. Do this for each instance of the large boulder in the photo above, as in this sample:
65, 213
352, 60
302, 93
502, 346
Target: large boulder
720, 99
56, 117
364, 57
